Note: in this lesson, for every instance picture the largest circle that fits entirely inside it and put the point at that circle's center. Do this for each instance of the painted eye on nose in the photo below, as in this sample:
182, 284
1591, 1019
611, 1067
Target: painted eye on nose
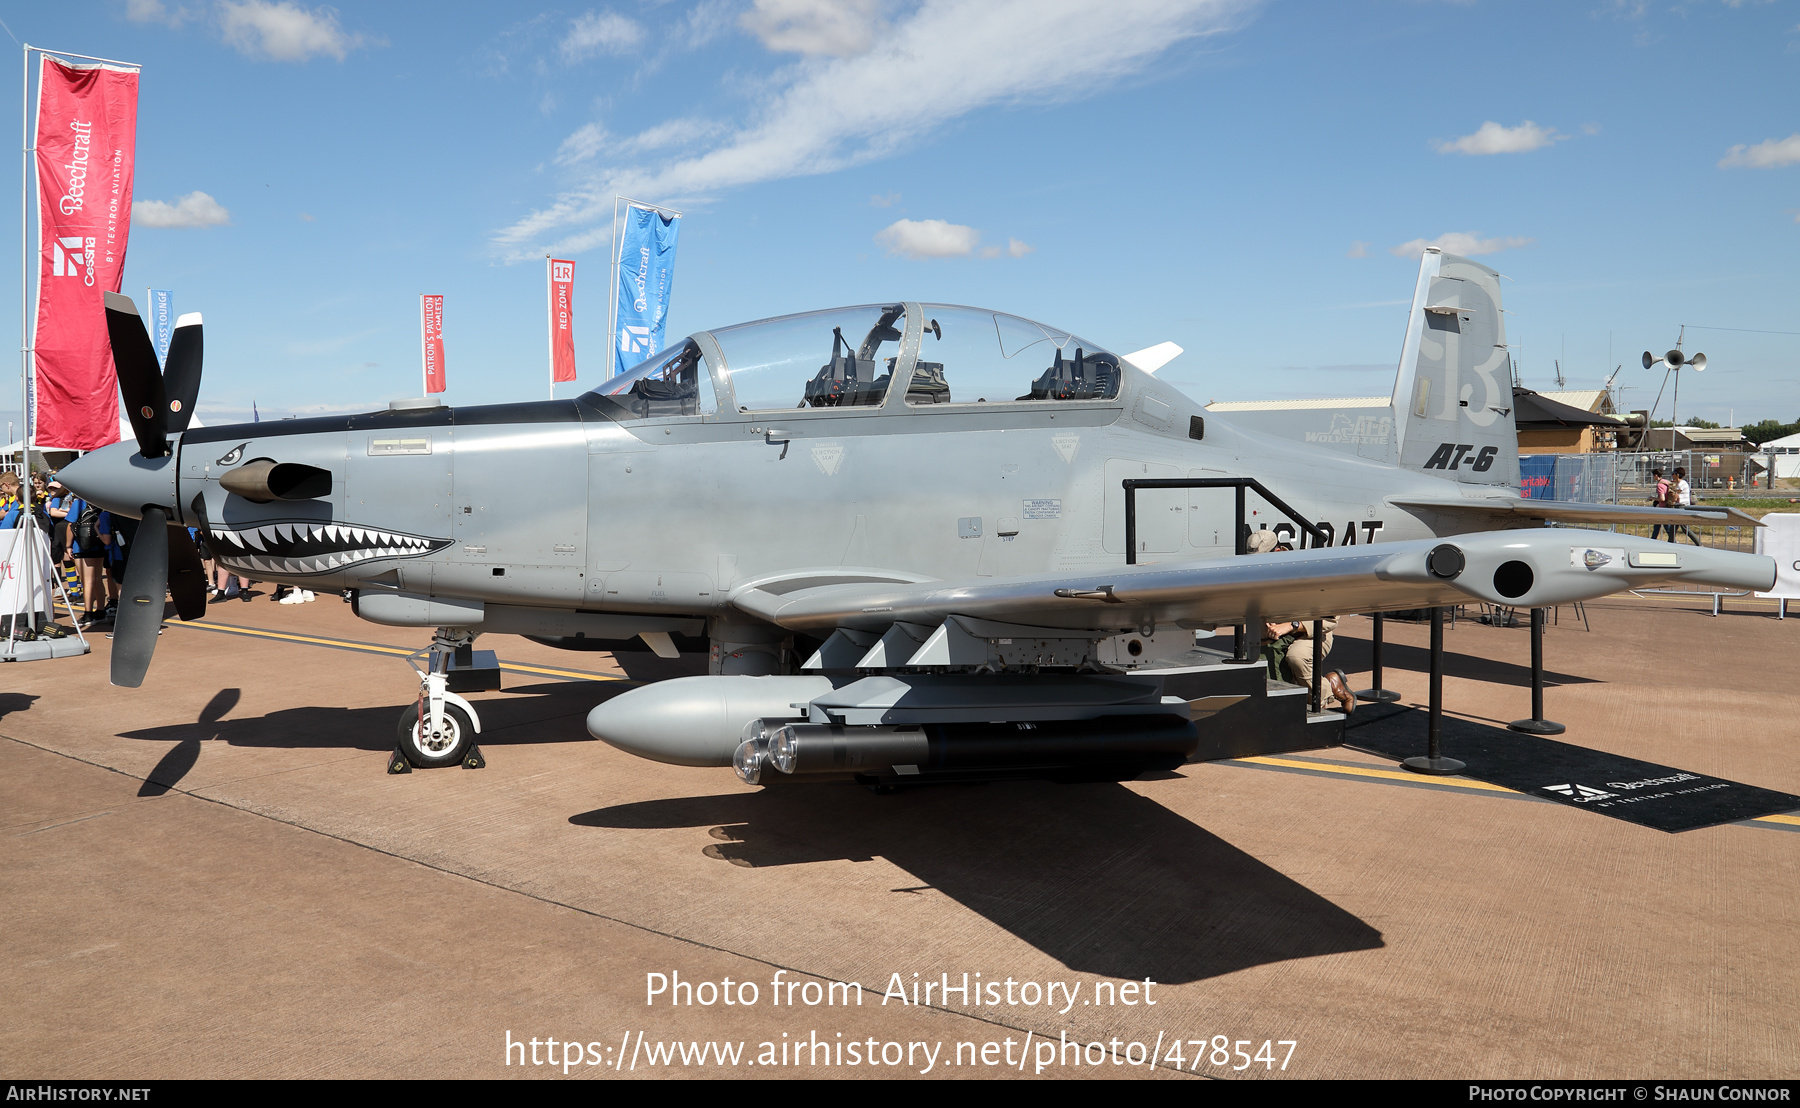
232, 458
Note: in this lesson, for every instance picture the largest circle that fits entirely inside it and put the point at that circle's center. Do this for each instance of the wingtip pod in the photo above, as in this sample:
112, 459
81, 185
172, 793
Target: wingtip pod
1543, 568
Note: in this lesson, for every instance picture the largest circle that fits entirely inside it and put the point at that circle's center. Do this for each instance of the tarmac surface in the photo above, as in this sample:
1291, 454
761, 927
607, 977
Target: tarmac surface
213, 876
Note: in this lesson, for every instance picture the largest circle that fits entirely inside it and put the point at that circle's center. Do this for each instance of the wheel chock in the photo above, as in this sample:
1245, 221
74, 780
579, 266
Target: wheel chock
474, 759
397, 762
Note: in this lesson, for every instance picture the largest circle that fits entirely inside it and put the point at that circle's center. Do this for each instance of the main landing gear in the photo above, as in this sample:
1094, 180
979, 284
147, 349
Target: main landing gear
439, 728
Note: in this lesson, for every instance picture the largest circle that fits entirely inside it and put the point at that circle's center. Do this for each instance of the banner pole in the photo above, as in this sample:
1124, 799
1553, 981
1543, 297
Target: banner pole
424, 358
612, 299
25, 252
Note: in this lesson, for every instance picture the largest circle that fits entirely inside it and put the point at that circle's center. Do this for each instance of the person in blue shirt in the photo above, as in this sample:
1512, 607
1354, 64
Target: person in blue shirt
10, 504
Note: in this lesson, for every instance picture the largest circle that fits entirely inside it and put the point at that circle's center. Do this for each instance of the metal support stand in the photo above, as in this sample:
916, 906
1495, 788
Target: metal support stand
1318, 666
1781, 608
1537, 724
1434, 763
1377, 694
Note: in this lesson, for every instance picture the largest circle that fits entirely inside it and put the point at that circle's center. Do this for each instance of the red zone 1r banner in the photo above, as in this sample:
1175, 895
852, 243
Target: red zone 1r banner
562, 322
86, 149
431, 337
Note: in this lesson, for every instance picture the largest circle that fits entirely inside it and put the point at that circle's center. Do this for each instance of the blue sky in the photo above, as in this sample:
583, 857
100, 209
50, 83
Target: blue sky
1241, 177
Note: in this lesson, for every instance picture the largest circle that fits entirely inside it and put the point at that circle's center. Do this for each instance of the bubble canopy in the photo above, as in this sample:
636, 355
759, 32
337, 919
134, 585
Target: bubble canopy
848, 358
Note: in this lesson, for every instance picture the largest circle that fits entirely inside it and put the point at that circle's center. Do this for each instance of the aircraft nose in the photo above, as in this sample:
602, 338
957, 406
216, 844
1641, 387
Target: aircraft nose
121, 480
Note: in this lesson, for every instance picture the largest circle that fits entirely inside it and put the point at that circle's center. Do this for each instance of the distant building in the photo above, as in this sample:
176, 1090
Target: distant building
1574, 421
1784, 455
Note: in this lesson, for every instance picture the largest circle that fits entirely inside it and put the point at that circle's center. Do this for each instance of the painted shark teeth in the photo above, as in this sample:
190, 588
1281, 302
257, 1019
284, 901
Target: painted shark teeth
291, 548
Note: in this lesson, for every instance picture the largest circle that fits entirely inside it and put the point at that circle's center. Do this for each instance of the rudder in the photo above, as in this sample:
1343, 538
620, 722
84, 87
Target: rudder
1453, 404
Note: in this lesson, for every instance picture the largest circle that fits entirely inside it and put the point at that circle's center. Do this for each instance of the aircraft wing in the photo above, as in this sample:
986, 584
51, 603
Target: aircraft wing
1521, 568
1565, 512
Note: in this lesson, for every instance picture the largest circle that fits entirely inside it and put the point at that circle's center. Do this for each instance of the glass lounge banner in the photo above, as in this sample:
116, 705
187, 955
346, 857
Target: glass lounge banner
86, 148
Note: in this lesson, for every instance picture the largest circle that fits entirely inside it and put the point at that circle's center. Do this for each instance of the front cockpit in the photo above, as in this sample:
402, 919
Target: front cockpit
848, 358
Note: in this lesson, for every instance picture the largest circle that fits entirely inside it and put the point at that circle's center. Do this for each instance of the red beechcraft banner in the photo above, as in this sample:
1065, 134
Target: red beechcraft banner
431, 334
562, 320
86, 146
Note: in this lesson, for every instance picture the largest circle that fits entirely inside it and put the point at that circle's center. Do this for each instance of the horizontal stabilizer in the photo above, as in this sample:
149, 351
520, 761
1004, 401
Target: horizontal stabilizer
1565, 512
1152, 358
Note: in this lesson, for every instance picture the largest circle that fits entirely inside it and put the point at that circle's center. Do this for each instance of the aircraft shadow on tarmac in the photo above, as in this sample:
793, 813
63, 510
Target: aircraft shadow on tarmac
554, 711
1098, 877
1356, 655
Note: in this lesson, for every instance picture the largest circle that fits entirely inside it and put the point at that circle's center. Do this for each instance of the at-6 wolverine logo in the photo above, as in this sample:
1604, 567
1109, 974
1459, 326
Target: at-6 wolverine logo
1450, 455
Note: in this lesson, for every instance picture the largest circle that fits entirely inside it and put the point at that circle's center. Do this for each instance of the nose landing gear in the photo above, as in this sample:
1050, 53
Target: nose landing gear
439, 728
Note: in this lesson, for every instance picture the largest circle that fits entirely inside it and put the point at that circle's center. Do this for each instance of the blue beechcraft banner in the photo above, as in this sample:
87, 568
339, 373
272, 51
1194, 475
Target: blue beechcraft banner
162, 321
646, 277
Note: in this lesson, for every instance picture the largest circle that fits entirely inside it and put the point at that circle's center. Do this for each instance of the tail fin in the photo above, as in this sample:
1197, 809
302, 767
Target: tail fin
1453, 403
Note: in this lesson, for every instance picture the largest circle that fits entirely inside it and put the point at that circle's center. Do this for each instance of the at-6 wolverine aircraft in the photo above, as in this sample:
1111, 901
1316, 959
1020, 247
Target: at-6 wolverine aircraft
901, 528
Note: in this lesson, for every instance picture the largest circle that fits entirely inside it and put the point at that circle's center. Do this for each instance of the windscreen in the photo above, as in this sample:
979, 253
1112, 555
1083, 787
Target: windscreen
838, 358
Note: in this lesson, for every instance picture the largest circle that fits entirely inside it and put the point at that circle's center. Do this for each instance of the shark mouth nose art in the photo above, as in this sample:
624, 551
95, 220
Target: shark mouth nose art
297, 548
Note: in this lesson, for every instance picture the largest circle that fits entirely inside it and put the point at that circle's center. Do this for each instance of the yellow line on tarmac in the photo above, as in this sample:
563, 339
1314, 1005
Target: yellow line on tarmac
1373, 771
380, 648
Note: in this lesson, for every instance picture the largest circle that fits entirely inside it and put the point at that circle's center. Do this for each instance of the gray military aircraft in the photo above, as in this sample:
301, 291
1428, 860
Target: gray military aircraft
907, 533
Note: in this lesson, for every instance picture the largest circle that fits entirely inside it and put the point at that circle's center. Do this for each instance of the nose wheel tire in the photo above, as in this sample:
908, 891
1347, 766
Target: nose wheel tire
447, 747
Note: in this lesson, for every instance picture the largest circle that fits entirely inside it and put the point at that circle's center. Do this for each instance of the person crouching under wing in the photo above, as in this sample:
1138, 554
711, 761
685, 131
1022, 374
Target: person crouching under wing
1287, 648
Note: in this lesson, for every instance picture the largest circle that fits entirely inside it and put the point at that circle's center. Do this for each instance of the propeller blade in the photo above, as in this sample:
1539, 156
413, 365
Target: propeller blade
140, 378
187, 575
141, 600
181, 373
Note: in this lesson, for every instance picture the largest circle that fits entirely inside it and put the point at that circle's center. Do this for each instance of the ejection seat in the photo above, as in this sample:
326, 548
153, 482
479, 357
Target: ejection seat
1083, 377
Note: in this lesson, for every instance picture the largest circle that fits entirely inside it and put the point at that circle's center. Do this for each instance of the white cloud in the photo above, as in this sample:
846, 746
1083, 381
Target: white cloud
284, 31
155, 11
887, 201
1467, 243
835, 28
593, 139
1768, 154
582, 145
605, 32
1017, 249
704, 22
1358, 249
944, 60
928, 238
196, 209
1491, 138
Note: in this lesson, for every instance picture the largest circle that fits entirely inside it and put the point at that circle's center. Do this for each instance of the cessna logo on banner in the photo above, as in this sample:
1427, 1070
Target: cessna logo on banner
562, 320
646, 278
431, 338
72, 257
86, 148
